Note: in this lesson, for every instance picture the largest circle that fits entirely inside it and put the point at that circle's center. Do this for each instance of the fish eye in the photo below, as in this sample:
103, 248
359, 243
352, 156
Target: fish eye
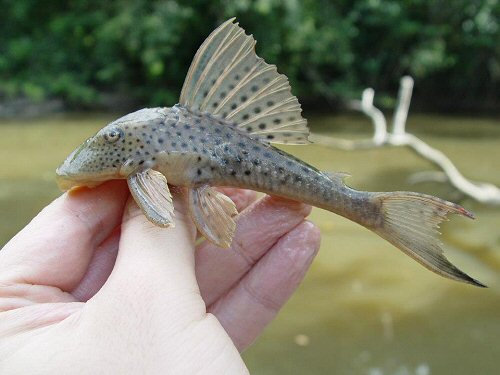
112, 135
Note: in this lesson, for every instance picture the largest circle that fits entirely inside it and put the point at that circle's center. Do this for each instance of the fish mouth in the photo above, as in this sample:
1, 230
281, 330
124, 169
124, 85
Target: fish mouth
66, 181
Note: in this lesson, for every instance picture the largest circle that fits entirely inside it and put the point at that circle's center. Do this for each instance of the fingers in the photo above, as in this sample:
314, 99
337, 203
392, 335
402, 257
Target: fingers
248, 307
154, 261
242, 198
99, 268
258, 228
57, 246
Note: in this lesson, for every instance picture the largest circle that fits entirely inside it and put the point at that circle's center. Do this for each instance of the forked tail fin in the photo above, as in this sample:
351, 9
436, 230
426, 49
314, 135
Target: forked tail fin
410, 221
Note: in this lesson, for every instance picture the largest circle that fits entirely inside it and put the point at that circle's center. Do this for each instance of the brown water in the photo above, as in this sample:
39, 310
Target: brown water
364, 308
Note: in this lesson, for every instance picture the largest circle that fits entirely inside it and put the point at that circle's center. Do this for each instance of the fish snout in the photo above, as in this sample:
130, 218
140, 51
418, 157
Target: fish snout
83, 168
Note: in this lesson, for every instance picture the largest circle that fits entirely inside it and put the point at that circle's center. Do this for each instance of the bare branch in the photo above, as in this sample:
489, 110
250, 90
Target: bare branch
483, 192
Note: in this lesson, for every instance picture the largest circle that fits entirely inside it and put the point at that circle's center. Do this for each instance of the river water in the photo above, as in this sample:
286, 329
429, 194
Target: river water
364, 308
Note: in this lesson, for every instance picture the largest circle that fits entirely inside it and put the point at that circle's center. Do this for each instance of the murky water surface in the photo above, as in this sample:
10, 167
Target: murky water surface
364, 308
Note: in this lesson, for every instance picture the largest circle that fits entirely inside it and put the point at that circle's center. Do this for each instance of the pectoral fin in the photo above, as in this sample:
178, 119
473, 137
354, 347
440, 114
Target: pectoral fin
150, 190
213, 213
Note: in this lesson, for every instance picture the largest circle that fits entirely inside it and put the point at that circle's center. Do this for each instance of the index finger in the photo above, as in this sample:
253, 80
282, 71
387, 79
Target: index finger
258, 228
57, 245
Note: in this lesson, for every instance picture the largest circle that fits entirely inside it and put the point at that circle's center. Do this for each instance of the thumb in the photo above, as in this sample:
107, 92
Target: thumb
155, 266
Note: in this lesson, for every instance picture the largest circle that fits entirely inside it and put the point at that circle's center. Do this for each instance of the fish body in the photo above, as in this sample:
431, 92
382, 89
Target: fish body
232, 107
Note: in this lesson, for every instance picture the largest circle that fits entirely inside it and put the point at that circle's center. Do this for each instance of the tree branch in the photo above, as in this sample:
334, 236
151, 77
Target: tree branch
483, 192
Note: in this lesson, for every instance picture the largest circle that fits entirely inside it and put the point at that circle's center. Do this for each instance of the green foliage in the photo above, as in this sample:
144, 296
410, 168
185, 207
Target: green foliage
79, 50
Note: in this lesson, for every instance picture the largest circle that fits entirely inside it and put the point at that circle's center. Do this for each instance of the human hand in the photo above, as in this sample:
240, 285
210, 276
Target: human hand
82, 291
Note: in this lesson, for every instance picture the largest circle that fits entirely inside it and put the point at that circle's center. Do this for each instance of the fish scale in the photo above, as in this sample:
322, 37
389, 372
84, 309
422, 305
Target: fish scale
232, 106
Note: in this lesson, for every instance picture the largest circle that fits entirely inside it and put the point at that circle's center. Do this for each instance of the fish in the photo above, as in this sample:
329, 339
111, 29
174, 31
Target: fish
233, 107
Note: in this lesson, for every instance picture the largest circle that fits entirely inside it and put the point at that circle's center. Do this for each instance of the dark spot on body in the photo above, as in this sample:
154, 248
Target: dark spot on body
198, 172
246, 116
191, 137
174, 144
160, 140
267, 154
217, 130
187, 126
249, 129
184, 145
262, 125
270, 103
234, 105
270, 136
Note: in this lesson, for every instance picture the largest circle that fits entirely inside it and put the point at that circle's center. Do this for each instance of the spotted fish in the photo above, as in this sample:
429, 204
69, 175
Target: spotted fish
233, 105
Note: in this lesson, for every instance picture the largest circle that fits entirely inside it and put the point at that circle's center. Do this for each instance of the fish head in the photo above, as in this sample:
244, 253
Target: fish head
114, 152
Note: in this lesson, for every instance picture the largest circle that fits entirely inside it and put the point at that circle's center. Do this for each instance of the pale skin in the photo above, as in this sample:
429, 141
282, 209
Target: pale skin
80, 295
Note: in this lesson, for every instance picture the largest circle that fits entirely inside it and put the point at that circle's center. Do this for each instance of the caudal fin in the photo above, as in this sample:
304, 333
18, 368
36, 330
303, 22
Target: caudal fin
410, 221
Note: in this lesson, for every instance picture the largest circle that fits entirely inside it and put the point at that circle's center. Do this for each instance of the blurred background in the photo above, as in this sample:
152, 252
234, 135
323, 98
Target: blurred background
69, 67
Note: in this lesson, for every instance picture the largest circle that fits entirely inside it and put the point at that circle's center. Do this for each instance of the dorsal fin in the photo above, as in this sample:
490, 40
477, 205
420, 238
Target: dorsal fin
228, 80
